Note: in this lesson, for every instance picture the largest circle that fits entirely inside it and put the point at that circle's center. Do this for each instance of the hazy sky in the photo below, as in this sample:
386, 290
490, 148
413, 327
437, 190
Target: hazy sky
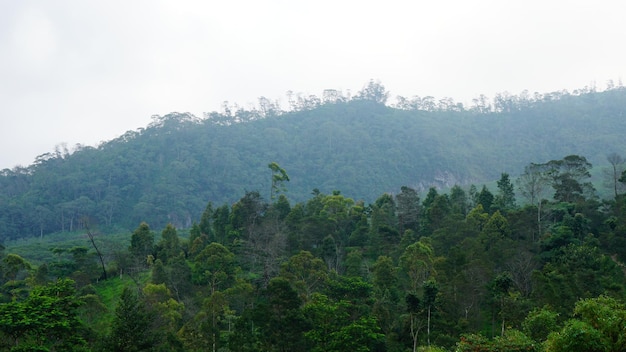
76, 71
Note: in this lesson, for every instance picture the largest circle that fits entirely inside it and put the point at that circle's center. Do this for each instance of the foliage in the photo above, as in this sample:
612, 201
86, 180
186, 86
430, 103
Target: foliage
46, 318
166, 172
464, 269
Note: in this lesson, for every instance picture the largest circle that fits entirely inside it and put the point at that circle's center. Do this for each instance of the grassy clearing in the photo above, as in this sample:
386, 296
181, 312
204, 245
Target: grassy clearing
38, 250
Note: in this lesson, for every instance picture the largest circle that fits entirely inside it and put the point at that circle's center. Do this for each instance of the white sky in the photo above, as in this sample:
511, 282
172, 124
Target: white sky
76, 71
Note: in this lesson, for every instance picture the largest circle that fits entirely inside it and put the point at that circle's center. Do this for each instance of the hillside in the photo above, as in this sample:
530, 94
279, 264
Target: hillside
168, 171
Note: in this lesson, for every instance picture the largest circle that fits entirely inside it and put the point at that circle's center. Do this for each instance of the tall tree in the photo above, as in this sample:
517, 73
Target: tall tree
279, 176
617, 167
505, 199
570, 178
373, 91
142, 243
169, 246
408, 209
131, 325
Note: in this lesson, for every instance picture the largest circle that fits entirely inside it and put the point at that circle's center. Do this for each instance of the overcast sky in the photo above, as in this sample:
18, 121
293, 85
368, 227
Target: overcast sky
76, 71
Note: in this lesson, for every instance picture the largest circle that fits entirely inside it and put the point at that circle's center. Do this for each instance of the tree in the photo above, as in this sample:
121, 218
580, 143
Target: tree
408, 209
362, 335
533, 182
221, 223
280, 320
617, 168
93, 243
206, 222
13, 266
279, 175
532, 185
608, 316
485, 198
500, 289
131, 325
458, 200
384, 277
306, 273
214, 266
431, 288
505, 199
325, 317
417, 262
167, 314
539, 323
142, 243
46, 319
169, 245
576, 336
569, 178
373, 91
205, 328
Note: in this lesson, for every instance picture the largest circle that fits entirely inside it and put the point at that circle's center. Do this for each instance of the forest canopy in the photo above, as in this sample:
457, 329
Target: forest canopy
341, 224
464, 270
363, 145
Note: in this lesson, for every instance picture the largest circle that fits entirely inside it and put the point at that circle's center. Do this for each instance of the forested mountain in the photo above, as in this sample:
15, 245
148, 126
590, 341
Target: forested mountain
167, 172
264, 230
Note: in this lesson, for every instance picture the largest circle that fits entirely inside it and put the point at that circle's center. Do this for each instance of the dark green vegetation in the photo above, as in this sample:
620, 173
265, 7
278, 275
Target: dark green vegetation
167, 172
464, 271
534, 263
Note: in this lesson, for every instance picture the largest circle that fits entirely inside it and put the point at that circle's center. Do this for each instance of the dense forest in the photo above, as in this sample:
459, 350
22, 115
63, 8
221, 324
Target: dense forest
340, 224
464, 270
363, 145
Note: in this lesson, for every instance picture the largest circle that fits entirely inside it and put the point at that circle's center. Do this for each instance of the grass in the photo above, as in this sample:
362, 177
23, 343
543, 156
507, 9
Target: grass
38, 250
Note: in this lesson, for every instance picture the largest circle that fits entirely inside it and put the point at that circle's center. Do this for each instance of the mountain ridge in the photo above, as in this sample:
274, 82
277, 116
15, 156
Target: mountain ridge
168, 171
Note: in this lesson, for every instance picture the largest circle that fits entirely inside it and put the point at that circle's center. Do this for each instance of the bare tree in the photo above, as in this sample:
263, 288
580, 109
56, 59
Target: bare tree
93, 243
533, 184
615, 171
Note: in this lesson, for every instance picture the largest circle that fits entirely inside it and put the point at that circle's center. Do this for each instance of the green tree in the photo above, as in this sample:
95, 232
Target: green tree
279, 175
459, 202
131, 328
608, 316
47, 318
14, 266
374, 91
221, 224
539, 323
167, 313
505, 199
362, 335
214, 266
306, 273
485, 198
206, 222
142, 243
408, 209
417, 263
570, 178
169, 246
576, 336
207, 327
280, 320
325, 317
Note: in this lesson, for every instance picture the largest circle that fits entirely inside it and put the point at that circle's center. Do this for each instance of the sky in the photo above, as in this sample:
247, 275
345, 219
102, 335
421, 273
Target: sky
84, 72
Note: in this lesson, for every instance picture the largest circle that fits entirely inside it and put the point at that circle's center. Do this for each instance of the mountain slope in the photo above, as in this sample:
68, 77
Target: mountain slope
170, 170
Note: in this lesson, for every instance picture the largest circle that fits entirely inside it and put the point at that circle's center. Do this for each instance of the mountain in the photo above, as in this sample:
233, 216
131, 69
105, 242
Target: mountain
170, 170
